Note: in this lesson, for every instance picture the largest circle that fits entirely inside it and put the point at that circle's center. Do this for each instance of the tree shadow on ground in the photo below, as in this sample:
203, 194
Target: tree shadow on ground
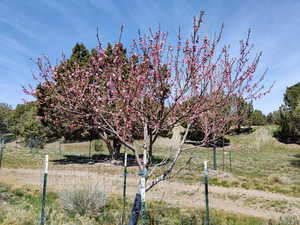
82, 159
242, 130
219, 143
284, 138
103, 158
295, 162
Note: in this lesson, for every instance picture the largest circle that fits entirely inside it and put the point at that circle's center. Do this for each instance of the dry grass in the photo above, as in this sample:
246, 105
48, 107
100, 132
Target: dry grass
23, 209
259, 161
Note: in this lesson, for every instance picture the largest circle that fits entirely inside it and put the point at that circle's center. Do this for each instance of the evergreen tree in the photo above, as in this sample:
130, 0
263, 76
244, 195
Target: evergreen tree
5, 117
292, 96
289, 119
26, 125
80, 55
257, 118
80, 58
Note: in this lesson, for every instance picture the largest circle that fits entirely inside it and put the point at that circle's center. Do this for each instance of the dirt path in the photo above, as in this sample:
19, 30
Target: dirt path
249, 202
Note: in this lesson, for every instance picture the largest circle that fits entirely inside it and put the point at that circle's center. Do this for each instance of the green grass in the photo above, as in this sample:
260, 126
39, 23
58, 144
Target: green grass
22, 157
22, 206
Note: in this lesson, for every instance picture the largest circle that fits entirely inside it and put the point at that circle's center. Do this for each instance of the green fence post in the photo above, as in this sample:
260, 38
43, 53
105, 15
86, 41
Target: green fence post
214, 158
1, 151
206, 219
223, 155
59, 147
230, 164
90, 152
60, 142
124, 187
44, 191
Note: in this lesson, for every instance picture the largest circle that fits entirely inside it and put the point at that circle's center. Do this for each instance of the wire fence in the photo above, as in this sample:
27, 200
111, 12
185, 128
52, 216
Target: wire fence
89, 195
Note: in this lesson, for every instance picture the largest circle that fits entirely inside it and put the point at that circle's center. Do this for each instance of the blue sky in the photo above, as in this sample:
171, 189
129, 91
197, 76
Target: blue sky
35, 27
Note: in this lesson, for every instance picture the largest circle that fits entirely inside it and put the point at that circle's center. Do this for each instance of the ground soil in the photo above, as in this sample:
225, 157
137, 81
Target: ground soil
236, 200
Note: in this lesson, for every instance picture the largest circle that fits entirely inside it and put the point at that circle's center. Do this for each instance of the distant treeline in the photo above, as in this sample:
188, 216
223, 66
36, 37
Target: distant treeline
24, 122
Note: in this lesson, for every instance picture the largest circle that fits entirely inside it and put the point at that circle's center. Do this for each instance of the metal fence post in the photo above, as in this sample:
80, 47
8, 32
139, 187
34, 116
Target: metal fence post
206, 219
60, 142
44, 191
223, 155
214, 158
1, 151
59, 147
230, 164
90, 152
124, 187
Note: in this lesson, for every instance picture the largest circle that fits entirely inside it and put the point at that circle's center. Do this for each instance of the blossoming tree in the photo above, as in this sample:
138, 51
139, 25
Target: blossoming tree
145, 91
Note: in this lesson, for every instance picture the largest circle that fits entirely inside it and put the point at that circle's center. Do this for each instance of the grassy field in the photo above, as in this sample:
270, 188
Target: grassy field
259, 162
22, 207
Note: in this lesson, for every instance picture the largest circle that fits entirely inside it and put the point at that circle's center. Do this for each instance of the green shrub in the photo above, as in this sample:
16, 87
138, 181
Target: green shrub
87, 200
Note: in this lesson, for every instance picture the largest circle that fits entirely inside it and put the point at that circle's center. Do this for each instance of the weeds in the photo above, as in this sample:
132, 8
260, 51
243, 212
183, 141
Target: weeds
87, 200
23, 211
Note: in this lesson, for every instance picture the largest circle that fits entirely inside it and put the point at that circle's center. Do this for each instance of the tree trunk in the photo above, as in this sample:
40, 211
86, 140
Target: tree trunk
109, 147
150, 156
239, 128
136, 209
113, 146
116, 149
